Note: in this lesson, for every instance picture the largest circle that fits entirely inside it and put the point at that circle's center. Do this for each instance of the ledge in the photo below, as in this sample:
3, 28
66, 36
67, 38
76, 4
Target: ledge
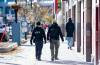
7, 46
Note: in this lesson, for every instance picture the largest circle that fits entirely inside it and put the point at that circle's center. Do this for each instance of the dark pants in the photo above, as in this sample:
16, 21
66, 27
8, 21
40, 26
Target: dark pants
25, 35
54, 46
38, 49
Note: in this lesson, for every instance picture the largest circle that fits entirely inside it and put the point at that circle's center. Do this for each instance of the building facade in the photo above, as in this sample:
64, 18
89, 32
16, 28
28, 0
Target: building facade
85, 14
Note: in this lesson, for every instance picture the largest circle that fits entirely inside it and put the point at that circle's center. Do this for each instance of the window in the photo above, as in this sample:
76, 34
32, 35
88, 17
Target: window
10, 0
1, 0
1, 10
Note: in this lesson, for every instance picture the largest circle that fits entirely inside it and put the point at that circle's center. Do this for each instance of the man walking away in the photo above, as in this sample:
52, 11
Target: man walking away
53, 35
38, 35
70, 28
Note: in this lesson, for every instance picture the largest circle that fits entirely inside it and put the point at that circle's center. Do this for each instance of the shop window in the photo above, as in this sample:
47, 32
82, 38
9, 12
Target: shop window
1, 10
7, 10
9, 14
10, 0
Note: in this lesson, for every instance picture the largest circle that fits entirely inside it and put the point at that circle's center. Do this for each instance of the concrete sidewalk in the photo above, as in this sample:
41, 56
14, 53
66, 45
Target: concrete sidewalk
25, 55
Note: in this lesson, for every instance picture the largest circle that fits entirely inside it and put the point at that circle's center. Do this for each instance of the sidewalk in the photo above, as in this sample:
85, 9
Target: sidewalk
25, 55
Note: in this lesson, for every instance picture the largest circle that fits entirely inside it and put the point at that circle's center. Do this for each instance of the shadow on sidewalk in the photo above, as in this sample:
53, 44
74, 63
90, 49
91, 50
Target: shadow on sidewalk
9, 63
27, 45
69, 62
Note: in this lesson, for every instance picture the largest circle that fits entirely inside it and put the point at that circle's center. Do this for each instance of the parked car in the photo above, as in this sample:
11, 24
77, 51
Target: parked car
3, 35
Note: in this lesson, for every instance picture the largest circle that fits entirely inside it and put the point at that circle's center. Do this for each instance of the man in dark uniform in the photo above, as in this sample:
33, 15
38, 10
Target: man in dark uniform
53, 35
37, 37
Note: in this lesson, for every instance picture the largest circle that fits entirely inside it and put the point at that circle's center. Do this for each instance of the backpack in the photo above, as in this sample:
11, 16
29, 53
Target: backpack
54, 32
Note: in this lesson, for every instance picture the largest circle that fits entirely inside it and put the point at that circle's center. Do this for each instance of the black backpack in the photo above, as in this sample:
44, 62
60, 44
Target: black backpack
54, 32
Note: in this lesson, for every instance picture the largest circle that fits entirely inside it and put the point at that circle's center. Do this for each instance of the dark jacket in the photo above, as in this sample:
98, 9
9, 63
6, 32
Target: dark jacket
38, 34
54, 32
70, 28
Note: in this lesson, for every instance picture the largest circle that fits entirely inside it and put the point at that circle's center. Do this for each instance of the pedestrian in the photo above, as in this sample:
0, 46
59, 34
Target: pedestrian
53, 34
70, 28
25, 36
38, 35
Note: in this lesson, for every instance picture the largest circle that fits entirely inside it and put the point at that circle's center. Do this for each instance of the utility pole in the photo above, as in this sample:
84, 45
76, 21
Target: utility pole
16, 12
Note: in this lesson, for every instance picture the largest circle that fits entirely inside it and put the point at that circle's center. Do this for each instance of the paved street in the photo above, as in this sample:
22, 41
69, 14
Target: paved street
25, 55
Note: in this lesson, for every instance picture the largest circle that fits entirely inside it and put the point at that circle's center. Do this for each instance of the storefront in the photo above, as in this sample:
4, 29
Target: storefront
7, 17
82, 13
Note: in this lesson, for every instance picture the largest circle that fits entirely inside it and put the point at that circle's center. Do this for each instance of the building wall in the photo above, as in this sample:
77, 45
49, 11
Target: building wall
90, 28
82, 15
78, 25
94, 31
82, 27
99, 33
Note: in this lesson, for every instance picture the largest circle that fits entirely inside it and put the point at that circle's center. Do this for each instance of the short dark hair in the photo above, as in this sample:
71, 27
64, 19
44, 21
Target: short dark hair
69, 20
38, 23
55, 23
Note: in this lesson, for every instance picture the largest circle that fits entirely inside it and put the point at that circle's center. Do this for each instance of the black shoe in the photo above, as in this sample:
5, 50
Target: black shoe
39, 59
52, 59
70, 48
56, 59
31, 43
